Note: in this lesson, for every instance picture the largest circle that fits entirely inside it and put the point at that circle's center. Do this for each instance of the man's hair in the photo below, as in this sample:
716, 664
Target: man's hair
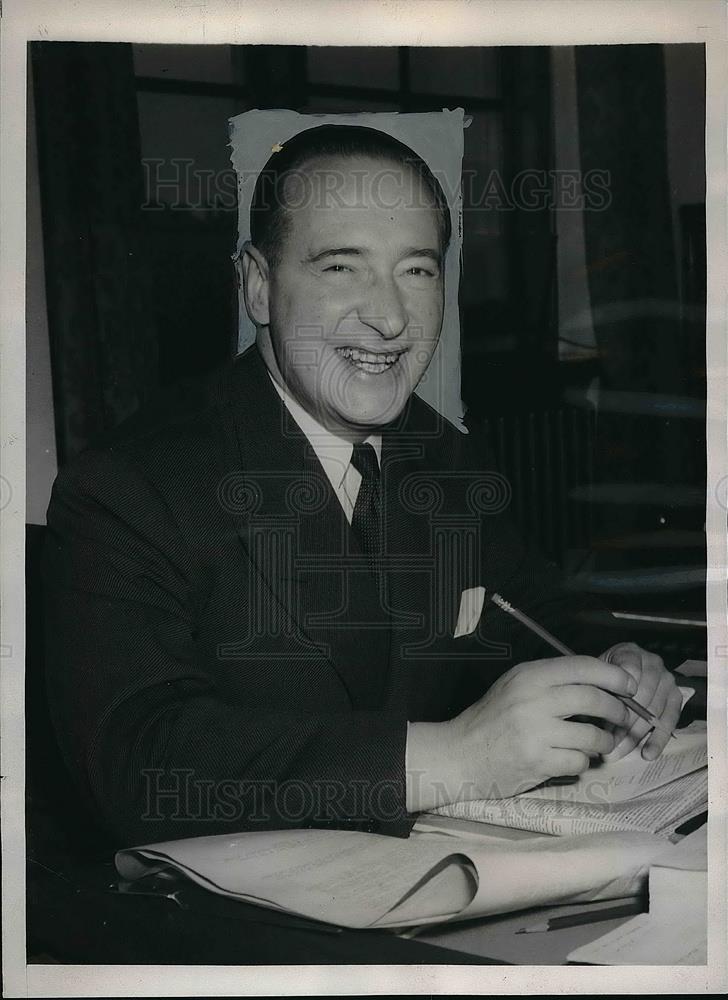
268, 218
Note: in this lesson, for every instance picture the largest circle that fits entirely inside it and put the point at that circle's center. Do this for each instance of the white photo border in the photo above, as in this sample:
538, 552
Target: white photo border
342, 22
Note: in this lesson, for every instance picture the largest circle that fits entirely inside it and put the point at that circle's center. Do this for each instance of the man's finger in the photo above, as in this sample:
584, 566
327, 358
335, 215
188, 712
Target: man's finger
647, 667
629, 658
634, 733
622, 747
560, 762
658, 740
639, 728
664, 689
584, 670
583, 699
582, 736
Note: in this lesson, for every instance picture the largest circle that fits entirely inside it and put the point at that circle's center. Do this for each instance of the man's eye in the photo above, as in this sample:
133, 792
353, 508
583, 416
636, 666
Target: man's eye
419, 272
337, 268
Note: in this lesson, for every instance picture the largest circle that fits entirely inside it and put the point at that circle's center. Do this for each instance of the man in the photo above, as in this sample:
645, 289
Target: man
261, 594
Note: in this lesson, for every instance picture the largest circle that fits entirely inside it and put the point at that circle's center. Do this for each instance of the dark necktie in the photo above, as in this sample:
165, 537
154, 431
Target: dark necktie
367, 518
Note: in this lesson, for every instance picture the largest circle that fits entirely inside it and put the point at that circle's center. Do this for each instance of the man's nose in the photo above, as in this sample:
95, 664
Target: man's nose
383, 309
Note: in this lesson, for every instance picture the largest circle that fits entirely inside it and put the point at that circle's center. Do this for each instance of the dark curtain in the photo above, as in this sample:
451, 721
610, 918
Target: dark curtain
633, 284
629, 244
103, 341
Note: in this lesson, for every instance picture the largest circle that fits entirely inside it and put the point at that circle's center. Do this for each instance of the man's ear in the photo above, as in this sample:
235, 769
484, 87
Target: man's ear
252, 269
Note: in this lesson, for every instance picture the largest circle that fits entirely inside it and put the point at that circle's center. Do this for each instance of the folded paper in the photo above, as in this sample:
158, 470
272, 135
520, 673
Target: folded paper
364, 880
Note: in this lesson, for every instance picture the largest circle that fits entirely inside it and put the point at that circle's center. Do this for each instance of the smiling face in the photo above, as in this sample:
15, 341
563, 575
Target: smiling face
354, 303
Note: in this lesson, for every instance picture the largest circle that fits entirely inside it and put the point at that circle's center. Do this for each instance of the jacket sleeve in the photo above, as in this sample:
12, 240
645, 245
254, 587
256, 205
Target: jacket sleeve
150, 740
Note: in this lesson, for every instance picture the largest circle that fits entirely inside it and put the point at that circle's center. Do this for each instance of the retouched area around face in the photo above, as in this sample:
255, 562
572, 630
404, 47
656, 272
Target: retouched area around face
356, 298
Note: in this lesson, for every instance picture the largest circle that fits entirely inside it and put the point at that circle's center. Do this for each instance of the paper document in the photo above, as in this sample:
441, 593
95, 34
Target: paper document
657, 811
629, 794
693, 668
632, 776
364, 880
338, 876
674, 932
689, 852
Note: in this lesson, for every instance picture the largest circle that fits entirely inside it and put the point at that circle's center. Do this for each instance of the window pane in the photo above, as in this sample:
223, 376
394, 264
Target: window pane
469, 72
484, 208
203, 63
184, 149
348, 105
354, 67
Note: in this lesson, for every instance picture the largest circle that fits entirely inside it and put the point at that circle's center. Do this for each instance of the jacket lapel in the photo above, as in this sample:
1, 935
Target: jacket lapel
433, 538
411, 506
297, 537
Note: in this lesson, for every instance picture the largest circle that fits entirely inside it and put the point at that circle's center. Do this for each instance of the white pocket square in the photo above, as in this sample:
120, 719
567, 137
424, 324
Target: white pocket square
471, 606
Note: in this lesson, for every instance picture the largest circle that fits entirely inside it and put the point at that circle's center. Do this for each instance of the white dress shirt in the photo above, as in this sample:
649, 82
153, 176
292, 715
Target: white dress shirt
334, 453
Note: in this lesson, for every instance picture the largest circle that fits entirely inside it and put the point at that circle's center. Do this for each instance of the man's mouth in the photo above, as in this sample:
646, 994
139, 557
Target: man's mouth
373, 362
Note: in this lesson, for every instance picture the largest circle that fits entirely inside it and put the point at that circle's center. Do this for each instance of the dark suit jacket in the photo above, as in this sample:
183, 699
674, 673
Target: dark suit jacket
219, 657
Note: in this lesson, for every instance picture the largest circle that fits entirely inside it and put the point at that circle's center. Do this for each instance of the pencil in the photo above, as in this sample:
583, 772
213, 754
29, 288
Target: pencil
559, 646
590, 917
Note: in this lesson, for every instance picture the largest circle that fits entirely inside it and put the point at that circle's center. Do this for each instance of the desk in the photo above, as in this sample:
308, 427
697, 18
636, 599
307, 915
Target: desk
89, 925
497, 938
74, 918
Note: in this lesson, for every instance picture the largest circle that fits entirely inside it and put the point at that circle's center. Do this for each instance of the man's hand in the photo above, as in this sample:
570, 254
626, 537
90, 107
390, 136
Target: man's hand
517, 735
656, 691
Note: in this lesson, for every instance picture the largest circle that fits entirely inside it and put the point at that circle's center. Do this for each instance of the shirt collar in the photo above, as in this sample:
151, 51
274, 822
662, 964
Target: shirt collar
334, 453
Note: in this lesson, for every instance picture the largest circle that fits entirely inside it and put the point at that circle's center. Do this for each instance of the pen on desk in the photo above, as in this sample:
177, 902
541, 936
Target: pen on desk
590, 917
539, 630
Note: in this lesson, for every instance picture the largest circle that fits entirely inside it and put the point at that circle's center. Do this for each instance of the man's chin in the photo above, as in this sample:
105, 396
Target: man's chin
374, 414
